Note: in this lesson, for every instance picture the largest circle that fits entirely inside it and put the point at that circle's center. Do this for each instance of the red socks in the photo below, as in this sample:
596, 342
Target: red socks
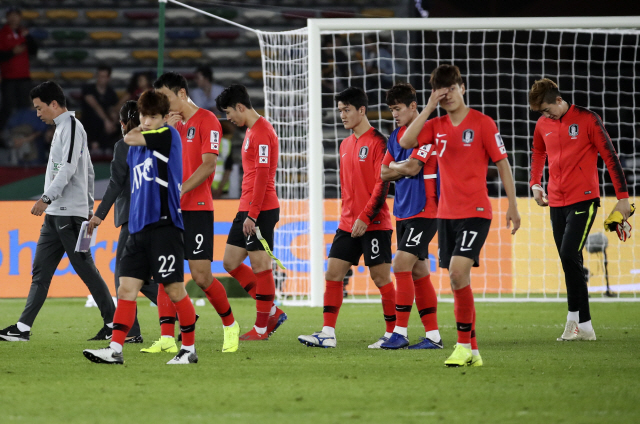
404, 297
474, 341
187, 318
123, 320
332, 302
166, 312
464, 311
265, 293
388, 293
217, 296
427, 303
246, 278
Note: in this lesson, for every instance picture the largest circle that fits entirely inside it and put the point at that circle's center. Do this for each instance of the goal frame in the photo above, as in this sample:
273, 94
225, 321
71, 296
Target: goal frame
315, 27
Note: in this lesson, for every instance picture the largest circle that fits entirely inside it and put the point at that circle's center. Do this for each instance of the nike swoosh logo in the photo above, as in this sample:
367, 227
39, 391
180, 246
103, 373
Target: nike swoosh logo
195, 252
440, 135
464, 249
249, 242
13, 334
344, 155
64, 226
578, 213
373, 257
166, 275
548, 133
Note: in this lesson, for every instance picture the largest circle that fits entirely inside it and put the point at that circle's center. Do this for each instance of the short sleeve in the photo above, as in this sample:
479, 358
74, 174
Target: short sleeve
387, 159
210, 135
492, 140
159, 140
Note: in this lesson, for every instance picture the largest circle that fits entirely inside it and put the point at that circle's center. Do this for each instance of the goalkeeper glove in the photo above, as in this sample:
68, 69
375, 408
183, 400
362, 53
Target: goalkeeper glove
615, 222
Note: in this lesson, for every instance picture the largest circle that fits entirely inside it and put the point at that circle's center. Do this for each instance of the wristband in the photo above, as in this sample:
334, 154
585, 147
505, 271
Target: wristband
46, 199
254, 221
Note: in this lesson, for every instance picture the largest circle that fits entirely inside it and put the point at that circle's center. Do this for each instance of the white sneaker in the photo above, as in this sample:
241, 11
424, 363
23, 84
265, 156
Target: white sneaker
586, 335
318, 339
570, 332
184, 357
377, 344
104, 356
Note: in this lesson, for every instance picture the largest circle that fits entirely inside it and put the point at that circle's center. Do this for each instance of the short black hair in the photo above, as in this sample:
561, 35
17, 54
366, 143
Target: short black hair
105, 67
401, 93
232, 96
353, 96
173, 81
47, 92
206, 72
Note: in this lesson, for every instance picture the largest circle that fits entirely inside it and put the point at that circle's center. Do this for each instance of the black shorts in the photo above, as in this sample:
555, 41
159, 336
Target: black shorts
156, 252
414, 235
198, 235
375, 245
461, 237
266, 221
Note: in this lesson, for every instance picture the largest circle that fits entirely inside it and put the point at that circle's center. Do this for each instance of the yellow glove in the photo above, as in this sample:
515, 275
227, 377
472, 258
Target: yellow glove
615, 222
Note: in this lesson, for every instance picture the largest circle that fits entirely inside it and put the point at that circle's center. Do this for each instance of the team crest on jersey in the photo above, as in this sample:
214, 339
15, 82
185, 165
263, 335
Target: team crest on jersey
263, 150
364, 151
573, 130
424, 151
191, 132
467, 136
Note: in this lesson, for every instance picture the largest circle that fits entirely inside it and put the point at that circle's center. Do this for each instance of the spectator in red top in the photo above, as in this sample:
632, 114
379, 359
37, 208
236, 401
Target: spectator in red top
15, 47
365, 223
572, 136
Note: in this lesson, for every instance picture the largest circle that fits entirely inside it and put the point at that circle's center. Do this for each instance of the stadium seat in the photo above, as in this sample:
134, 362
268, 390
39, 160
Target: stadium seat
105, 35
223, 13
145, 54
39, 34
77, 75
374, 115
185, 54
378, 13
144, 36
122, 76
69, 35
330, 14
71, 55
42, 75
141, 16
224, 55
257, 16
254, 54
187, 34
43, 55
98, 15
180, 14
107, 55
29, 15
62, 14
229, 34
228, 77
299, 14
255, 75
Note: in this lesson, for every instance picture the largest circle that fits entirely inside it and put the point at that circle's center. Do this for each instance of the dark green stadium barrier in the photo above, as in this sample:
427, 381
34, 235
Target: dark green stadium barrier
71, 55
69, 35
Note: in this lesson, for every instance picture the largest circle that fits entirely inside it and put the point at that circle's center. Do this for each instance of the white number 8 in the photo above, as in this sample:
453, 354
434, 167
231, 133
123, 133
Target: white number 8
375, 248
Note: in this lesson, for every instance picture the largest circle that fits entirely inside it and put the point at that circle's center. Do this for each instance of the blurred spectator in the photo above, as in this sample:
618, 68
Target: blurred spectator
99, 102
15, 47
26, 135
205, 95
138, 84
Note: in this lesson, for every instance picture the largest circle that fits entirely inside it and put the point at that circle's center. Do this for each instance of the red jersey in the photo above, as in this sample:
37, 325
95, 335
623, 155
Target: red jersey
364, 193
18, 66
430, 178
463, 154
572, 144
259, 163
200, 134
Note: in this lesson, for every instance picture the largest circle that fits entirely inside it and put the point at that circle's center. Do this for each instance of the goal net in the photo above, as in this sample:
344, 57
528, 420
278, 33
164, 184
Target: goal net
595, 67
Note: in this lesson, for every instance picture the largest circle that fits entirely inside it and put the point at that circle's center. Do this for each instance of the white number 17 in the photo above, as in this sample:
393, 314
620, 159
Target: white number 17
444, 145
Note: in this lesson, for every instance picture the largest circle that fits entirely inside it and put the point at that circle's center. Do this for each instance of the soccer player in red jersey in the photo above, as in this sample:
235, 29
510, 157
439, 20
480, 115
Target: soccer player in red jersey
464, 140
200, 133
572, 136
415, 208
365, 224
253, 228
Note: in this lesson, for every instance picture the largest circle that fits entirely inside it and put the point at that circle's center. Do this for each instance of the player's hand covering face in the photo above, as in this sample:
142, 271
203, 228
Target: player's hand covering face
452, 99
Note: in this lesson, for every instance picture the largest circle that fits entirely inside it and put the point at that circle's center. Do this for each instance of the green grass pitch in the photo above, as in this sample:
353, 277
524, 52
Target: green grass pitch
528, 377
